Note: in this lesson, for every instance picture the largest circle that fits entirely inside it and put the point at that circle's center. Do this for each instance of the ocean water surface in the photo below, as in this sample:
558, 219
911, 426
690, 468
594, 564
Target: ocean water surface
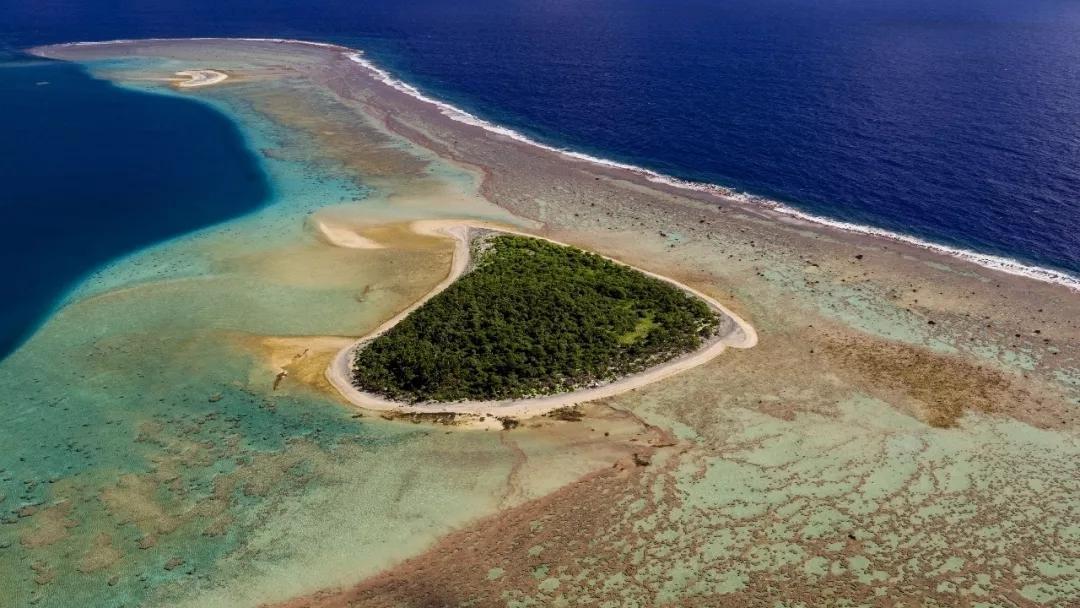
956, 122
92, 171
148, 454
144, 426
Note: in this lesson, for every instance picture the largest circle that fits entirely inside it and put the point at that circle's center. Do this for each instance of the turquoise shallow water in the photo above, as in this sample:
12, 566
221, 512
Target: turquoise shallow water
108, 389
145, 451
84, 167
152, 462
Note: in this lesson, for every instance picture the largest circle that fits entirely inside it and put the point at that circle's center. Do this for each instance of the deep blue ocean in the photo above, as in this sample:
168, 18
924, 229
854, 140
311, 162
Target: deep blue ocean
956, 121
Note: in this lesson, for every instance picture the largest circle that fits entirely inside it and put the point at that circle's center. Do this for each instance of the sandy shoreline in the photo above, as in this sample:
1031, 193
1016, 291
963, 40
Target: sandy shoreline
740, 335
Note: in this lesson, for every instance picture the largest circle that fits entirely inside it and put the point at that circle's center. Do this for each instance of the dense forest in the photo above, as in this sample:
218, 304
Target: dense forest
532, 318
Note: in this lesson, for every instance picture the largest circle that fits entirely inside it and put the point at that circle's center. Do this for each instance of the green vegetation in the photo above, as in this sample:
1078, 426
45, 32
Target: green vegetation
532, 318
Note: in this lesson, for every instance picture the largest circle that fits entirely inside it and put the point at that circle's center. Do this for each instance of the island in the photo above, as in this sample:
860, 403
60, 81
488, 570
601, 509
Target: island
523, 325
532, 318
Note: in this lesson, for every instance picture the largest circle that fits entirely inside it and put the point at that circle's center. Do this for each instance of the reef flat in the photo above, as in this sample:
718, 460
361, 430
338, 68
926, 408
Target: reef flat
903, 433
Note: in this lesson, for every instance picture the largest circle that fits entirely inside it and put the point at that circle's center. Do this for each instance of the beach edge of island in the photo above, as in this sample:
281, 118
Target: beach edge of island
739, 334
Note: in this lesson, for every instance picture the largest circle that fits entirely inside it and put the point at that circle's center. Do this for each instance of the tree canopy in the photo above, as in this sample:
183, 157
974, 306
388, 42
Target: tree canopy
532, 318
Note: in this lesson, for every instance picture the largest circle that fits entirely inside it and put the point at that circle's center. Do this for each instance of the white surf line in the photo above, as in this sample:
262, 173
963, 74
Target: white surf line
986, 260
994, 262
340, 370
325, 45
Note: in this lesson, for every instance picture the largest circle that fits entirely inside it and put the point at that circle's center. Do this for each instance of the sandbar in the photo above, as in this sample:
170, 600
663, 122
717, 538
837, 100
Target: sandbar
343, 236
199, 78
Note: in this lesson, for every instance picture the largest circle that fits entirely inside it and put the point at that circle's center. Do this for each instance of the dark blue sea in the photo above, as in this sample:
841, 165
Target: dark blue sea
955, 121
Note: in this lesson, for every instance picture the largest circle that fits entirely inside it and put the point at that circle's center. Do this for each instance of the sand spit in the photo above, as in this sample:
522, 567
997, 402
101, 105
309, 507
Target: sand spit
191, 79
343, 236
739, 334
